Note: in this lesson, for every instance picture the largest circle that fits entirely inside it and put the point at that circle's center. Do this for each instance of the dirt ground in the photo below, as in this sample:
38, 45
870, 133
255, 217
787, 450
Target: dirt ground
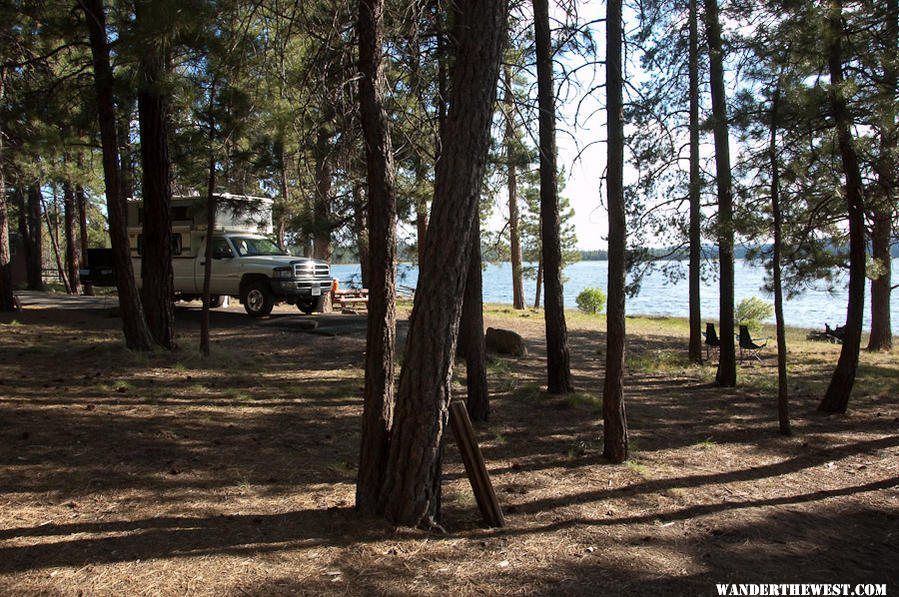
165, 474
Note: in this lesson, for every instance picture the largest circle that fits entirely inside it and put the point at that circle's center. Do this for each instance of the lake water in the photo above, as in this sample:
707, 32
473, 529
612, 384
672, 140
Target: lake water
659, 296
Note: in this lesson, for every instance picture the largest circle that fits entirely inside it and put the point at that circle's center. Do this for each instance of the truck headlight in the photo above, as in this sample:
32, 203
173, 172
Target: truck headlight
284, 273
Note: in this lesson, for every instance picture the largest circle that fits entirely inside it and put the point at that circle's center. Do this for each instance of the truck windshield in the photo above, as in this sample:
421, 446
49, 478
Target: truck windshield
247, 246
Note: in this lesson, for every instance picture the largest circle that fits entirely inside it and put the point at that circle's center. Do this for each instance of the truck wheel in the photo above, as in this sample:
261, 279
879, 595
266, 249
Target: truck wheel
309, 305
258, 300
217, 300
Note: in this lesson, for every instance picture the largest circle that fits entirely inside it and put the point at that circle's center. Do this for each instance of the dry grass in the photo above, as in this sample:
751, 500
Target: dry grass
171, 474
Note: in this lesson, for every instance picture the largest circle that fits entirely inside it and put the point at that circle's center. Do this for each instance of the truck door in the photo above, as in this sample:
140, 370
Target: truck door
223, 269
183, 274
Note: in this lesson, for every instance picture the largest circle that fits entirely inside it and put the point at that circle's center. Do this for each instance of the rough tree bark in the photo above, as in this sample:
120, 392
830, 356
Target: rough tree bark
836, 398
378, 397
471, 335
411, 494
696, 339
613, 412
137, 335
158, 286
558, 368
727, 355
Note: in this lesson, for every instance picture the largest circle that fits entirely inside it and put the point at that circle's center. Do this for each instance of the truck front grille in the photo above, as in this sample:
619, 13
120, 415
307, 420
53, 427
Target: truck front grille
319, 270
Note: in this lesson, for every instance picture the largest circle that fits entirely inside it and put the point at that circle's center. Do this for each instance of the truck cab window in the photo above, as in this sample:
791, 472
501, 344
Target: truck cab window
221, 249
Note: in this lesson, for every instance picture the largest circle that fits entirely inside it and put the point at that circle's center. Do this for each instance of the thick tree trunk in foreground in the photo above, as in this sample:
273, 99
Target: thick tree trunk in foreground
558, 369
836, 398
158, 288
471, 335
613, 412
783, 392
380, 341
727, 356
411, 494
696, 339
137, 335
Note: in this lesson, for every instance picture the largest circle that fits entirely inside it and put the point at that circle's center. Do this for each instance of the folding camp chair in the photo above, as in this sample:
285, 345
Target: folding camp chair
711, 339
749, 346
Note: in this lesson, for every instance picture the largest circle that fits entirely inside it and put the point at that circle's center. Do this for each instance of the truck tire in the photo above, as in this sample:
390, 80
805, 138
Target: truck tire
217, 300
310, 305
258, 300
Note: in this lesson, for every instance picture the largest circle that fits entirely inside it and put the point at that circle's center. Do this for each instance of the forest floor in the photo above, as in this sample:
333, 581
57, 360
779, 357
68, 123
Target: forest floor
169, 474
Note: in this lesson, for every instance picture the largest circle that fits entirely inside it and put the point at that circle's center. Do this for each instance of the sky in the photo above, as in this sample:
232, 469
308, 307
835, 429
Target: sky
581, 149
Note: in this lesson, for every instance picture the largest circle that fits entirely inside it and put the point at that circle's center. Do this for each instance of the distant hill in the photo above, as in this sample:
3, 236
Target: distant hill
740, 252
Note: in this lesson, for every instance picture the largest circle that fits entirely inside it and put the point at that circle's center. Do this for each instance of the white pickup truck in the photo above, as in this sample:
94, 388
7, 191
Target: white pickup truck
253, 269
245, 263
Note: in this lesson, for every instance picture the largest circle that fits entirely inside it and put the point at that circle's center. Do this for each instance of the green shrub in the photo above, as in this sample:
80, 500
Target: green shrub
752, 310
591, 300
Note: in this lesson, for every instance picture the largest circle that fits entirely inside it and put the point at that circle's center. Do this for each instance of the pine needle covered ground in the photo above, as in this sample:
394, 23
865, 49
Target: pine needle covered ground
170, 474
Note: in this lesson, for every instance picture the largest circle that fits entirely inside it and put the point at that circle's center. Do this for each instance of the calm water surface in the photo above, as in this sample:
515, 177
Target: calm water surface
659, 296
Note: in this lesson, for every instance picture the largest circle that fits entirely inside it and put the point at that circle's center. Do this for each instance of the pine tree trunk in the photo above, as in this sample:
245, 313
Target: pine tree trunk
727, 359
881, 325
613, 412
512, 186
321, 238
158, 288
207, 255
126, 151
53, 234
471, 335
378, 397
558, 370
783, 392
836, 398
411, 494
887, 198
7, 297
72, 257
696, 339
83, 239
362, 243
285, 191
31, 237
137, 335
539, 284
